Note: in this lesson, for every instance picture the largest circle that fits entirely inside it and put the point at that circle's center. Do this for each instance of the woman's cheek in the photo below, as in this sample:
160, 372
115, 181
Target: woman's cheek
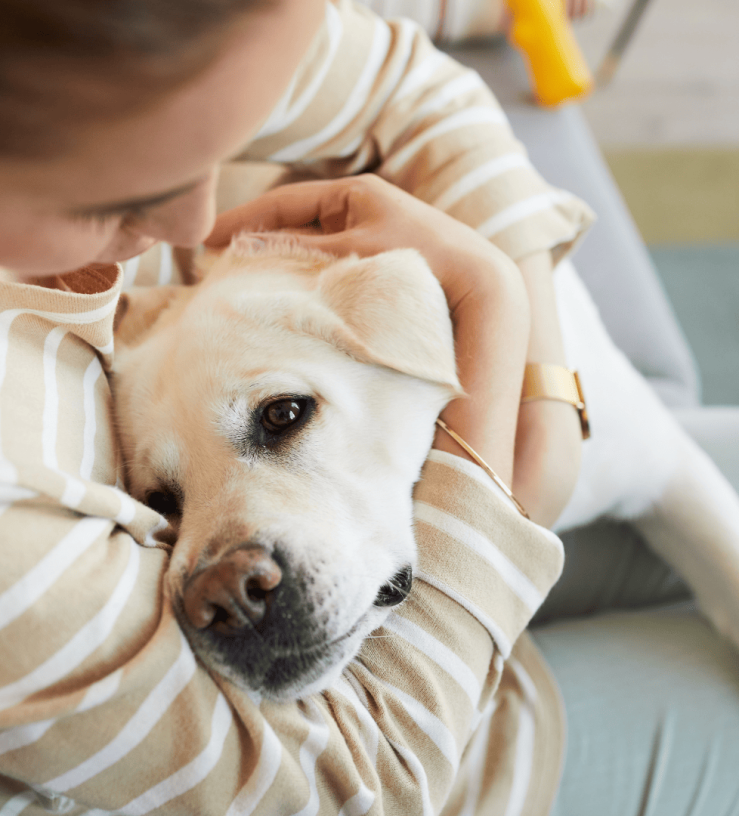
31, 247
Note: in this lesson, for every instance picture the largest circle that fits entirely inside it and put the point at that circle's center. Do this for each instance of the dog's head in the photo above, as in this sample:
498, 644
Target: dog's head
278, 414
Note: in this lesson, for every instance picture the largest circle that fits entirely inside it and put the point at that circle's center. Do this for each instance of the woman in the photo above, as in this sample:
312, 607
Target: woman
102, 704
112, 137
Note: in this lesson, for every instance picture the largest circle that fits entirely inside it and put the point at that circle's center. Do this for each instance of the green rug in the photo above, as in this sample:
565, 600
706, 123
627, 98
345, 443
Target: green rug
702, 281
680, 195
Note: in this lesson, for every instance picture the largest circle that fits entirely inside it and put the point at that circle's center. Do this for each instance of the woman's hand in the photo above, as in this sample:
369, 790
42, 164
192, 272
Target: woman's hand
487, 299
366, 215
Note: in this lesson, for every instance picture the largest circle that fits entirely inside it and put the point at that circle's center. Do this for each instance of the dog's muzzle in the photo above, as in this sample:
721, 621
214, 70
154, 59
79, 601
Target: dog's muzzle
249, 616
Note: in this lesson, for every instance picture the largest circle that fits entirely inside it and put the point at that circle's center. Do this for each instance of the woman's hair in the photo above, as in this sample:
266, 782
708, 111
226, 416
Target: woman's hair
65, 62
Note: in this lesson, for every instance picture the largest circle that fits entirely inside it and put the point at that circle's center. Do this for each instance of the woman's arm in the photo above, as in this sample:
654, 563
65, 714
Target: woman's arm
549, 436
491, 302
376, 95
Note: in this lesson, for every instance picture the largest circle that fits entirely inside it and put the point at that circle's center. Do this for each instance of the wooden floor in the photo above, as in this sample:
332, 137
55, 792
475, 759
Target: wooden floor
678, 83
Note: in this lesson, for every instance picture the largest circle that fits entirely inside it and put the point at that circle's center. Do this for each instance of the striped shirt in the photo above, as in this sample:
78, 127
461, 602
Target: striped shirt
103, 708
375, 95
447, 20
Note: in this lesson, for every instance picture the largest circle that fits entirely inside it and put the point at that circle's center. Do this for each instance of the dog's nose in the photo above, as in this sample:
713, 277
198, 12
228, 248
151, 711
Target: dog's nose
232, 593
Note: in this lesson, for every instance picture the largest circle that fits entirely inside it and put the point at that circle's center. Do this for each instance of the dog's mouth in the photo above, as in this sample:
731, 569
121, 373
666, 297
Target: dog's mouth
264, 632
291, 671
397, 589
278, 668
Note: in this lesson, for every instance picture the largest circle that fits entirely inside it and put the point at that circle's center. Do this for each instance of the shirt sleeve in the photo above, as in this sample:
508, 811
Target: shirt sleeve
103, 705
374, 95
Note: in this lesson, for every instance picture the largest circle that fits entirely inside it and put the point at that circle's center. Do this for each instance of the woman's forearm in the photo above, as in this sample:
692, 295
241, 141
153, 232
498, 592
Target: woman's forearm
548, 437
490, 326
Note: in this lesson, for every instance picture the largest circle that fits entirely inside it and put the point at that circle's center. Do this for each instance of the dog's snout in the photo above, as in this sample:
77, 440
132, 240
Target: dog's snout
233, 593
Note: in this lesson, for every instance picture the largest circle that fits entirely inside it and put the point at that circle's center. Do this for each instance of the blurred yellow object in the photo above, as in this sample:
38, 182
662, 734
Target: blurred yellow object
557, 67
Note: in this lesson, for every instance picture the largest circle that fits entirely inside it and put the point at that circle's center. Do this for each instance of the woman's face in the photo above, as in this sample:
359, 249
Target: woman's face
151, 177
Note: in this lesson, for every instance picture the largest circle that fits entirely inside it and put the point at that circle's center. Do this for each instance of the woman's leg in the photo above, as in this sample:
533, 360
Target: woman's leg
652, 702
608, 566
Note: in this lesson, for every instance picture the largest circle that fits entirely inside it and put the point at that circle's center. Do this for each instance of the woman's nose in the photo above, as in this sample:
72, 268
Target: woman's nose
186, 220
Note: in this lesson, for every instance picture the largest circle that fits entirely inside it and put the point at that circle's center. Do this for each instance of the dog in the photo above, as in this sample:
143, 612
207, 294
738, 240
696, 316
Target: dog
279, 412
641, 466
278, 415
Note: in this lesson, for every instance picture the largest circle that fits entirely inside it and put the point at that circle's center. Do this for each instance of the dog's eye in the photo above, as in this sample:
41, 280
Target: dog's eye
163, 502
396, 589
279, 415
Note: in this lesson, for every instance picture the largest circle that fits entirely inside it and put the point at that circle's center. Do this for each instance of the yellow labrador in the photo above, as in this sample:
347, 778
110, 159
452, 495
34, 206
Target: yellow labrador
278, 414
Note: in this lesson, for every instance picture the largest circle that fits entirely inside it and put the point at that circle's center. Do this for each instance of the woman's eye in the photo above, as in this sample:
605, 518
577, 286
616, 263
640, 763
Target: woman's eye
102, 219
279, 415
163, 502
96, 219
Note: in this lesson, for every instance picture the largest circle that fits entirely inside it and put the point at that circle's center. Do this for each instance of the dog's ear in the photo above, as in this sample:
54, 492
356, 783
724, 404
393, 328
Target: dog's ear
394, 313
139, 308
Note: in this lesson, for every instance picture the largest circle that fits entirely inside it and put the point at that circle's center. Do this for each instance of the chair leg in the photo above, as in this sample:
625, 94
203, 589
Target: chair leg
610, 63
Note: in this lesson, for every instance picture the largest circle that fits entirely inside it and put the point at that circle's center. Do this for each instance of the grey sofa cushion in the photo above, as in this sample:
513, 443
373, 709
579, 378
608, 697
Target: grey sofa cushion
716, 430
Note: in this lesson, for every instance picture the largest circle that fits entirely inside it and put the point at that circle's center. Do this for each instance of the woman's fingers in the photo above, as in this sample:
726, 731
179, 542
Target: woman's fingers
285, 208
367, 215
337, 243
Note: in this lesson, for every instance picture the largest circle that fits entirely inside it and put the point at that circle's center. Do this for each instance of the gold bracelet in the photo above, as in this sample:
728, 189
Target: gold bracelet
554, 382
484, 465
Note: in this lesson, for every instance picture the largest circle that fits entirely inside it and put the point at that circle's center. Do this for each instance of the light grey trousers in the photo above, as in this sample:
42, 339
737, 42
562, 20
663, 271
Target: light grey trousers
651, 692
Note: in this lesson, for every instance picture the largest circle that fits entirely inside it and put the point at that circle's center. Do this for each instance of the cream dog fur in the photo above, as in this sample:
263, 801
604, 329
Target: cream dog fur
279, 413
